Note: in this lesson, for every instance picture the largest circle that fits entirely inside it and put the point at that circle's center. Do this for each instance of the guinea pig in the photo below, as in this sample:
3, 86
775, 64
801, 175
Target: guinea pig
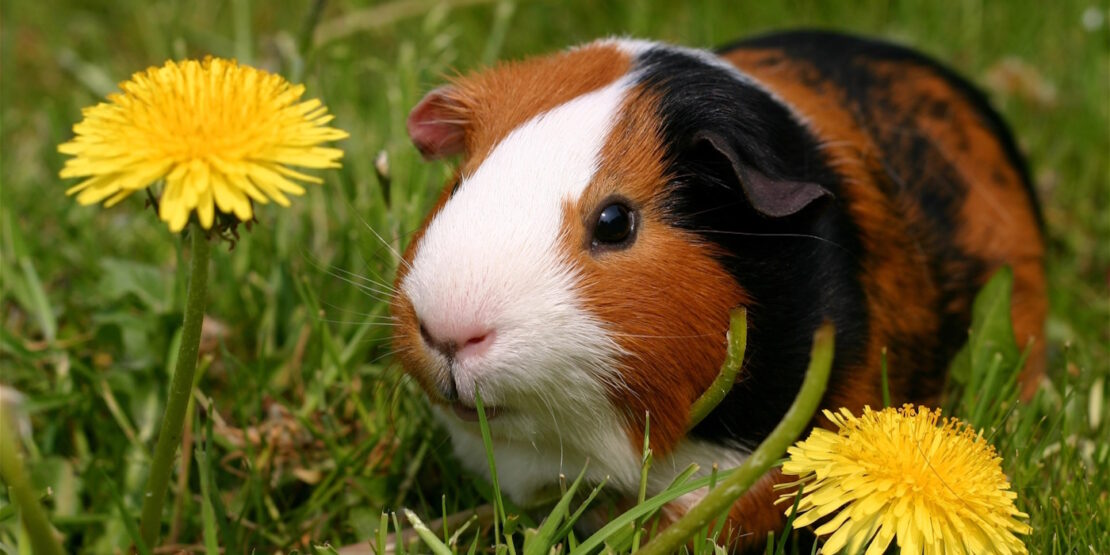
614, 201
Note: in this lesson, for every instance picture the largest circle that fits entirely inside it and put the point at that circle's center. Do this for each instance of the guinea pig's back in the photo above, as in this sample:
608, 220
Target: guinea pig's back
934, 181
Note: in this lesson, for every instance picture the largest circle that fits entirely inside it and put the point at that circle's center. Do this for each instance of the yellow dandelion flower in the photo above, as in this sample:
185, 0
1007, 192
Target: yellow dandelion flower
898, 474
221, 135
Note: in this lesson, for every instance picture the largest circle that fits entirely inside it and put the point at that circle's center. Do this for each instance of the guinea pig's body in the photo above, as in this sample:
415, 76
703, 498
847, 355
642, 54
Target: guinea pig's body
616, 200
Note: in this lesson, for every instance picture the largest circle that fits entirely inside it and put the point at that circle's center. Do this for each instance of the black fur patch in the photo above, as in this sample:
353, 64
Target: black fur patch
799, 269
842, 58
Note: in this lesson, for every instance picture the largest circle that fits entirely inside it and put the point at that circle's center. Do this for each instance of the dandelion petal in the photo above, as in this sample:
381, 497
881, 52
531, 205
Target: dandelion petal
220, 136
904, 475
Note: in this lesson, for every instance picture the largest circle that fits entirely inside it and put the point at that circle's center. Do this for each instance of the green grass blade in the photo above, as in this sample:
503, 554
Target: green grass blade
383, 532
208, 512
426, 534
36, 523
398, 536
645, 468
487, 442
649, 506
568, 526
546, 535
125, 516
40, 303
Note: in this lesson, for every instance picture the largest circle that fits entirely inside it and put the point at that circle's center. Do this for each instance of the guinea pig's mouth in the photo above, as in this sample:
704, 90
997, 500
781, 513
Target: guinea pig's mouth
468, 413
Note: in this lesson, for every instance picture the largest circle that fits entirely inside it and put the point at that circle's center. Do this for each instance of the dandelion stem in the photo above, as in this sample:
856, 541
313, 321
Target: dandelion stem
169, 437
38, 526
734, 358
719, 499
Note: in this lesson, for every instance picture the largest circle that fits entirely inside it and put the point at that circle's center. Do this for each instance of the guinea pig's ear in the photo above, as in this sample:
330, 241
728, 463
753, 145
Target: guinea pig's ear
771, 197
436, 125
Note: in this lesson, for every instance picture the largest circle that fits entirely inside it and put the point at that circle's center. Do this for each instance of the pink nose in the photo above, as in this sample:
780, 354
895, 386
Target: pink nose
457, 342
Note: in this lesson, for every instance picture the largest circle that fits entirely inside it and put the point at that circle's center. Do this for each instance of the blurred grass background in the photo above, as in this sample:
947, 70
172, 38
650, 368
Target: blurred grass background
313, 432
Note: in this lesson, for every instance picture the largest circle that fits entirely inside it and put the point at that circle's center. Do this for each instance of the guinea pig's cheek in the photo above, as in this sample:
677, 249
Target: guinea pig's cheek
666, 303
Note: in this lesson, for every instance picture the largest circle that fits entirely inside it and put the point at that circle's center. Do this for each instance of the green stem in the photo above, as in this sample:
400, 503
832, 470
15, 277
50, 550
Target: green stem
180, 389
726, 493
737, 340
38, 527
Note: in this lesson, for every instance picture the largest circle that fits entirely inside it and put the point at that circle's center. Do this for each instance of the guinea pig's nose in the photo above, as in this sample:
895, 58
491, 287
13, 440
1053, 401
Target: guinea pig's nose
457, 342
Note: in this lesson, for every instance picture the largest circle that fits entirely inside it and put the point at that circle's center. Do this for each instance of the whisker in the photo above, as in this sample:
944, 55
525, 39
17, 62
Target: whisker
331, 269
389, 353
375, 342
711, 209
365, 223
380, 282
787, 235
396, 254
651, 336
360, 322
558, 432
370, 315
364, 283
376, 294
373, 289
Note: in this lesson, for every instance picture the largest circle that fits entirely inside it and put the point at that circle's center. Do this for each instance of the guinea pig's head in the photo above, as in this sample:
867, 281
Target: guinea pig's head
563, 272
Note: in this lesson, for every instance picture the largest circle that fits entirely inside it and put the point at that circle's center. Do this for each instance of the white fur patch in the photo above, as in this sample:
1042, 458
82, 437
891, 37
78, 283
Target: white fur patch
491, 258
631, 46
702, 453
524, 467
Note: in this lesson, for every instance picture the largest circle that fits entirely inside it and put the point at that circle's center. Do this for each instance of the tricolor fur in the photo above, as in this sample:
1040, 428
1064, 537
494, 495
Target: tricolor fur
803, 175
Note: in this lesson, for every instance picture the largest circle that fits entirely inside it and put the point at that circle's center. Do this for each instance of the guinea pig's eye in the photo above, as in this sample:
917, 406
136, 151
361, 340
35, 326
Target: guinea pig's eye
615, 225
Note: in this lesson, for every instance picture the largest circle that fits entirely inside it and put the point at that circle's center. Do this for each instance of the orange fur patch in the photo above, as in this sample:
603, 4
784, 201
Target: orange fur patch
407, 343
997, 218
492, 103
665, 298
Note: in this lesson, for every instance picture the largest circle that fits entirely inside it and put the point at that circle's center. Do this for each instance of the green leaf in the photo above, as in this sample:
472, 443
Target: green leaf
985, 370
150, 285
39, 304
991, 329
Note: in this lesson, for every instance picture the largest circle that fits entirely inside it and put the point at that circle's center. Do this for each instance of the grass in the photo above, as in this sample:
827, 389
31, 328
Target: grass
304, 431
